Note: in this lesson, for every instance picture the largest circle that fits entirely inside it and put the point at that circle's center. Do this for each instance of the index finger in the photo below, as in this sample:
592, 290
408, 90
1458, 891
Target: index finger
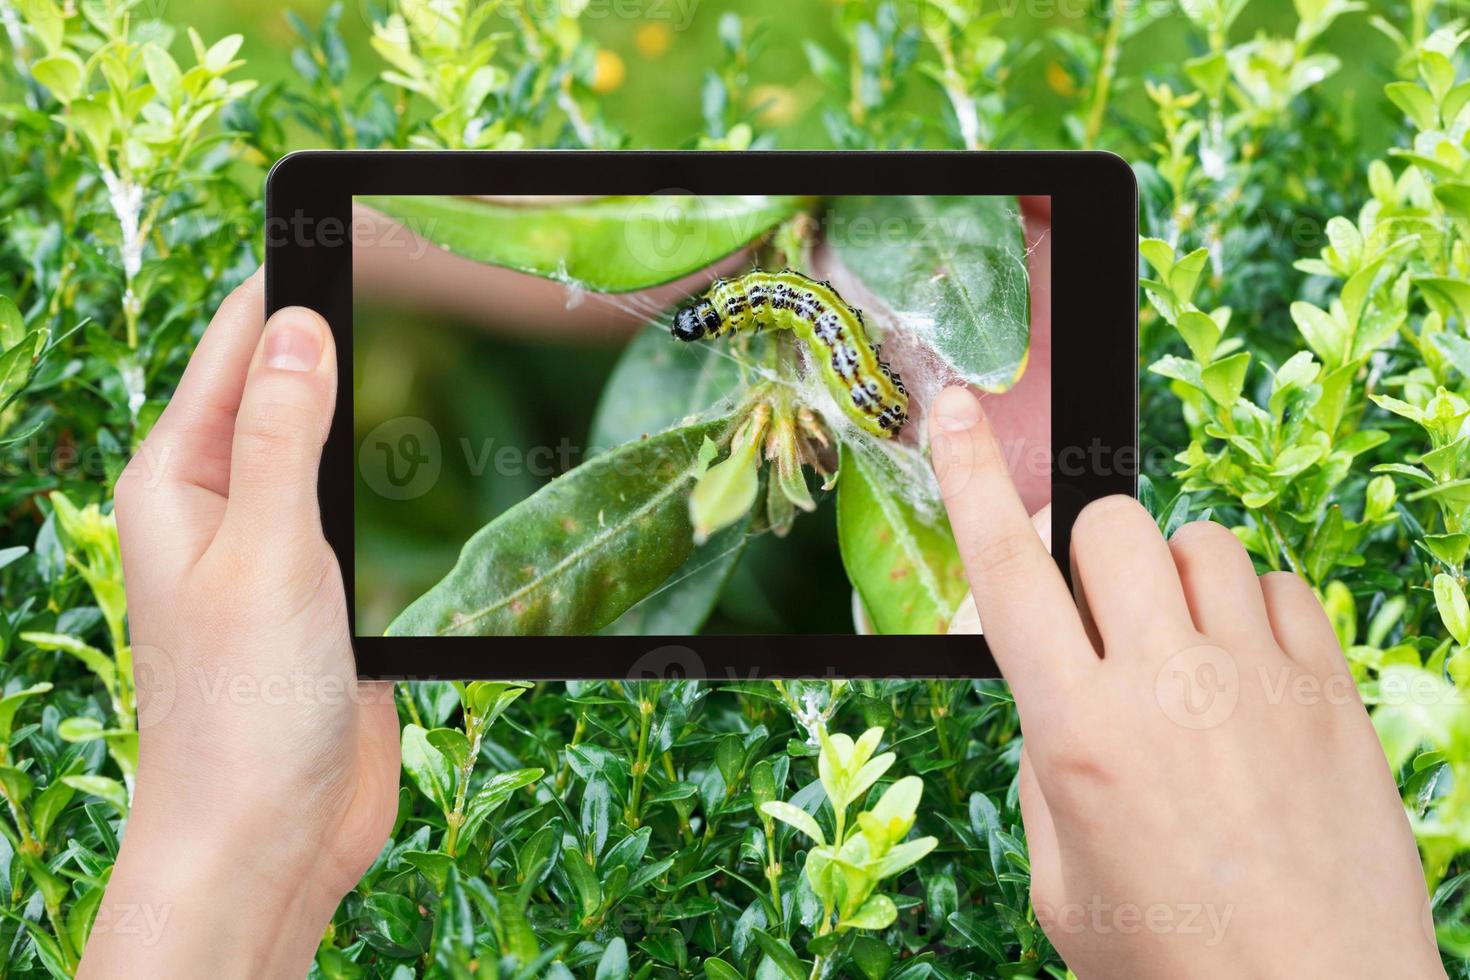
1031, 622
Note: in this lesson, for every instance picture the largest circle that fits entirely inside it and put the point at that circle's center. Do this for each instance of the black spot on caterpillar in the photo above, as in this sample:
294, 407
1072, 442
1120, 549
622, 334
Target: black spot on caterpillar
868, 390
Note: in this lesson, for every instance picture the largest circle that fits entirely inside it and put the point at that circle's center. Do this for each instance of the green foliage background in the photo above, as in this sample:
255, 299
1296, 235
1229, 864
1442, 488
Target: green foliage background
1306, 191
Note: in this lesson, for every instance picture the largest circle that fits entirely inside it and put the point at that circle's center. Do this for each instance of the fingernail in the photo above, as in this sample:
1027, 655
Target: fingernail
293, 341
956, 410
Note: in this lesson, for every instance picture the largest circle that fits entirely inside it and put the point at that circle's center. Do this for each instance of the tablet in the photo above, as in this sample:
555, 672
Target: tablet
628, 414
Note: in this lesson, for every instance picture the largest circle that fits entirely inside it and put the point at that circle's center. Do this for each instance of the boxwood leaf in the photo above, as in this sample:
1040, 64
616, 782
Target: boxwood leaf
608, 245
614, 962
427, 766
576, 554
781, 954
101, 786
11, 703
904, 565
956, 274
796, 817
878, 912
717, 969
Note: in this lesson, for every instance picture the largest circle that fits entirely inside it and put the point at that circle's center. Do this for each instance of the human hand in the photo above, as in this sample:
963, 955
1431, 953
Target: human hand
268, 774
1202, 790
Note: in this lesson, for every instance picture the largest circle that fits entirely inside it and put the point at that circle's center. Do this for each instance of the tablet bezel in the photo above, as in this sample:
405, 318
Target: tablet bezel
1094, 257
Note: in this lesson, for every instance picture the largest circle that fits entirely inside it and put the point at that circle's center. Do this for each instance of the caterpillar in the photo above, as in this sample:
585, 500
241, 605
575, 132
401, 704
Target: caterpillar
868, 390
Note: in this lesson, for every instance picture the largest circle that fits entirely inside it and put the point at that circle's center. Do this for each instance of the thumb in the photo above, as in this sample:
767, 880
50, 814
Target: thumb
285, 413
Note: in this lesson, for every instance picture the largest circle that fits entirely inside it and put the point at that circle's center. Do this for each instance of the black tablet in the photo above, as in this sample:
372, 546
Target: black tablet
628, 414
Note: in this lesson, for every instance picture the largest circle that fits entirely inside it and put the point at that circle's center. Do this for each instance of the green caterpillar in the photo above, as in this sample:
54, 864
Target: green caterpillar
868, 390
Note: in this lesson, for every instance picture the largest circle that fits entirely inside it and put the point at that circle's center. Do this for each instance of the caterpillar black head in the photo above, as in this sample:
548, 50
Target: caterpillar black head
699, 319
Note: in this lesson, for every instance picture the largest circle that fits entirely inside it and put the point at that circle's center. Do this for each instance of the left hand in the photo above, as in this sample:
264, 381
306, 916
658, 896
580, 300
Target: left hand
268, 774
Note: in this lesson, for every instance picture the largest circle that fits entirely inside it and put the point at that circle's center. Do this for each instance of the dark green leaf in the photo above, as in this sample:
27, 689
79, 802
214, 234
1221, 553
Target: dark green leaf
904, 564
607, 245
576, 554
952, 269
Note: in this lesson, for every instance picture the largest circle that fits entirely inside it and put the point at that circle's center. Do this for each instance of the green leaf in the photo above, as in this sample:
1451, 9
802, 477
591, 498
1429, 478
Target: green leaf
46, 19
12, 324
1159, 254
53, 887
1449, 548
16, 783
950, 269
904, 564
453, 743
11, 703
396, 921
428, 767
101, 786
872, 956
535, 857
584, 882
627, 852
878, 912
1456, 350
781, 954
222, 52
730, 757
496, 792
1327, 337
95, 660
724, 494
904, 856
900, 802
433, 865
1184, 277
607, 245
795, 816
1415, 102
717, 969
48, 807
15, 365
1201, 333
62, 73
596, 817
1209, 72
614, 962
489, 699
1449, 598
1224, 380
1451, 296
576, 554
163, 73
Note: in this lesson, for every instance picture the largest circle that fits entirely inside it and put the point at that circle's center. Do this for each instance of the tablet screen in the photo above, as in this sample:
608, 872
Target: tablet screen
679, 414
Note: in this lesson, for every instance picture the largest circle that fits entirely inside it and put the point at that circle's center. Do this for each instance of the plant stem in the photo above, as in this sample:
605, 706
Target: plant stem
640, 765
455, 818
1292, 561
773, 874
1107, 66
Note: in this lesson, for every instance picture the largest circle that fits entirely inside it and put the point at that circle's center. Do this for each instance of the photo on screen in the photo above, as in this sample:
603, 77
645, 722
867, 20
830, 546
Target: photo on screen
681, 414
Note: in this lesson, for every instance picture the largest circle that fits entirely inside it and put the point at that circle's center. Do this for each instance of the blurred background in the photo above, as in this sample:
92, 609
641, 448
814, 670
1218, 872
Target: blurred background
655, 53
